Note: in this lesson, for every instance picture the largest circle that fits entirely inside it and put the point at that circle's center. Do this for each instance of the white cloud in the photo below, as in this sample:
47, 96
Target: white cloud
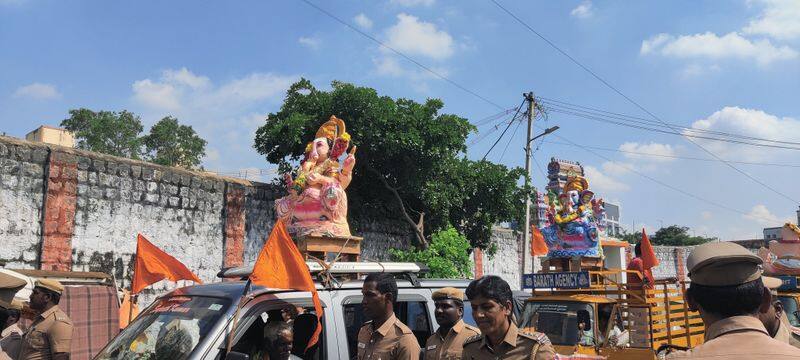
38, 91
603, 183
661, 152
706, 215
226, 113
780, 20
415, 37
185, 77
696, 70
310, 42
363, 21
754, 123
763, 216
583, 11
411, 3
176, 89
713, 47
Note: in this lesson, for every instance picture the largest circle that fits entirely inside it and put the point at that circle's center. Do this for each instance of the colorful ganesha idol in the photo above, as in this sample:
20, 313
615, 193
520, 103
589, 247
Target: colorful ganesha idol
317, 202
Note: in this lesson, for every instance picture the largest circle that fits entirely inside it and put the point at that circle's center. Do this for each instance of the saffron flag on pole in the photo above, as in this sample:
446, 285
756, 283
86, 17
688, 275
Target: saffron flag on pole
281, 266
649, 259
538, 246
153, 265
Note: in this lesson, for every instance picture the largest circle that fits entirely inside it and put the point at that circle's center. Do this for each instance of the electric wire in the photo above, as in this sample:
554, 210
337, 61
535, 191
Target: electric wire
505, 130
433, 72
674, 188
677, 156
620, 93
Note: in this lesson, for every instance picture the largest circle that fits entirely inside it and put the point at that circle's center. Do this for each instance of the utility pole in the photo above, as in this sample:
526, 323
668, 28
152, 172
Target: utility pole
527, 230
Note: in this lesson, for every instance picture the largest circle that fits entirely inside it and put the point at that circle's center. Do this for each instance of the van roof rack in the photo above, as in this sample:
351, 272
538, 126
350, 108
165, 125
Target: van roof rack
338, 268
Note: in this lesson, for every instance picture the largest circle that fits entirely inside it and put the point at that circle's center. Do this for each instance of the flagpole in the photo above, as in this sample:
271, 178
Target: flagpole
236, 315
130, 296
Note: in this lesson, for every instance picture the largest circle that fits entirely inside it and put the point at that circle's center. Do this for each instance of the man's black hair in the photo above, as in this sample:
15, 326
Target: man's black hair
638, 249
54, 296
727, 301
385, 283
491, 287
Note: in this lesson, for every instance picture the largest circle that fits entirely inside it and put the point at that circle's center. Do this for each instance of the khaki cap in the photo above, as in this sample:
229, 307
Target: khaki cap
50, 284
9, 285
16, 305
448, 293
772, 284
723, 264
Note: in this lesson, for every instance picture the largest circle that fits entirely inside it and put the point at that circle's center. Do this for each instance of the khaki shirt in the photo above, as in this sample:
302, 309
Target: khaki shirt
739, 337
50, 333
452, 345
516, 345
785, 334
393, 340
10, 342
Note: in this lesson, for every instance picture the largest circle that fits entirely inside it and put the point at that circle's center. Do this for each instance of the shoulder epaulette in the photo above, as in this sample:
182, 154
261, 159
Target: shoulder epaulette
473, 328
473, 339
541, 338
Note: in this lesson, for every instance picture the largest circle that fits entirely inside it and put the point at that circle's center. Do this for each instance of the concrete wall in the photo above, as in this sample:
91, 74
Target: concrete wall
68, 209
22, 167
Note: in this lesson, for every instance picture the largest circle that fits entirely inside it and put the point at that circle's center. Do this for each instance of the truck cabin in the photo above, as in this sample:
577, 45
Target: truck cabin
570, 320
789, 296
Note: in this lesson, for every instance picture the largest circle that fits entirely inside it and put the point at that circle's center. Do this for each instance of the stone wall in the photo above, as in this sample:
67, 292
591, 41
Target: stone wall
22, 171
506, 261
68, 209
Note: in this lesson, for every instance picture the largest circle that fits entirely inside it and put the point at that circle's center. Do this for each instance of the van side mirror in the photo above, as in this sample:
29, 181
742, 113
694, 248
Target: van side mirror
234, 355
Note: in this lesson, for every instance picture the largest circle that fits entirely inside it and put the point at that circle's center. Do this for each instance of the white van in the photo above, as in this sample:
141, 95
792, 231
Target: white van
194, 322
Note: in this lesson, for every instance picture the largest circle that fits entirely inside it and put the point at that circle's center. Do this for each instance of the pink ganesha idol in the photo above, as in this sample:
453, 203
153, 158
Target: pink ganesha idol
783, 256
317, 203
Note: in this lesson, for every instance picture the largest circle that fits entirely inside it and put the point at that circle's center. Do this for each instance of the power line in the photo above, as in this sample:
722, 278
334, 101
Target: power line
607, 84
645, 122
433, 72
676, 156
684, 192
510, 139
489, 119
504, 130
672, 132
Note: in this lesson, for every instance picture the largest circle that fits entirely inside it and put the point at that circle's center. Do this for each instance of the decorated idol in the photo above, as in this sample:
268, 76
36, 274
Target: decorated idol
575, 219
317, 202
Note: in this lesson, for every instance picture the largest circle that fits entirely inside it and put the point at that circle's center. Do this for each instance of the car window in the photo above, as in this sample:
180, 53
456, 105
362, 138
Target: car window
170, 329
412, 313
301, 318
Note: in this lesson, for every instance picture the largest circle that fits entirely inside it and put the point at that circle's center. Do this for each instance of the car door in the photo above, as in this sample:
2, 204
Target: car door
413, 307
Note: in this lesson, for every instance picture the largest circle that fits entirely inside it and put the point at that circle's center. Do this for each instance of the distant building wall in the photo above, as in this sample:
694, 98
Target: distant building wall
51, 135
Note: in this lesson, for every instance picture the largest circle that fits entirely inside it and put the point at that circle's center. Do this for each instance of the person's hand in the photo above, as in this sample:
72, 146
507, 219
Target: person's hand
350, 161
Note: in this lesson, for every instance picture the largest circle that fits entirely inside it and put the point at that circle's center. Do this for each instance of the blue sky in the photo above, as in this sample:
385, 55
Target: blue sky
729, 66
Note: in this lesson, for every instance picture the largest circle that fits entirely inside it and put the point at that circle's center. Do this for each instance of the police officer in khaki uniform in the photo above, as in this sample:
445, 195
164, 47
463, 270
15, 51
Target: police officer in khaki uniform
775, 320
384, 337
729, 292
10, 333
448, 341
50, 335
491, 301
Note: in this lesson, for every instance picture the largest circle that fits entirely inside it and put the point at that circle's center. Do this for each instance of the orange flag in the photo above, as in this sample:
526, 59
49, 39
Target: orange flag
281, 266
649, 259
128, 311
154, 265
538, 246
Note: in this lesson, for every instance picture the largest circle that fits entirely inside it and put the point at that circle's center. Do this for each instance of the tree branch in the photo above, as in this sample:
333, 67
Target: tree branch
418, 226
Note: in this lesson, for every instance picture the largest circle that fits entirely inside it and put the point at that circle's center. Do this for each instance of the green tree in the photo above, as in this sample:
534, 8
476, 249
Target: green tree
172, 144
632, 238
410, 159
113, 133
447, 256
675, 235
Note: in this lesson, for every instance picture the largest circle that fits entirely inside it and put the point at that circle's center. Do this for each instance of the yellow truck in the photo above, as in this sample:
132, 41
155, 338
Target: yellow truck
595, 315
789, 295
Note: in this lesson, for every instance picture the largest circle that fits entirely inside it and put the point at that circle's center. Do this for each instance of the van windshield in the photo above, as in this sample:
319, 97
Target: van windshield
559, 321
169, 330
790, 308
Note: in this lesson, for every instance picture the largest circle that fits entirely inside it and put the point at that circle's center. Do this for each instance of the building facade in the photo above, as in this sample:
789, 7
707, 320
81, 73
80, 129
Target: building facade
51, 135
